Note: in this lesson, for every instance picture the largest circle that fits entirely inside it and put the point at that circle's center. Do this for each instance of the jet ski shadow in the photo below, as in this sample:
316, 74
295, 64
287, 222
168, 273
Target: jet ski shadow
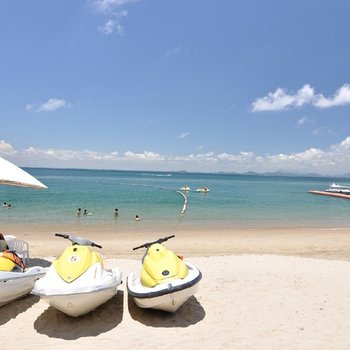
56, 324
39, 262
16, 307
188, 314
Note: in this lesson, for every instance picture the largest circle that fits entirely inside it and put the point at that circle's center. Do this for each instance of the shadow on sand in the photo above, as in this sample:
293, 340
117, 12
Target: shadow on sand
188, 314
39, 262
56, 324
16, 307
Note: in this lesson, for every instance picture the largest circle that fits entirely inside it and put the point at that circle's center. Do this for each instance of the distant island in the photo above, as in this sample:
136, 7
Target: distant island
247, 173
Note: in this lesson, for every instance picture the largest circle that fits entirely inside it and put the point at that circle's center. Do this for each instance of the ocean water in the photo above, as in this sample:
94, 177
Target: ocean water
234, 201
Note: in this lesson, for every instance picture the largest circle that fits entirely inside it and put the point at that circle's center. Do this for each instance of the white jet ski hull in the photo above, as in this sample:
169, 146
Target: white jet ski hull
82, 295
168, 302
168, 296
79, 304
15, 285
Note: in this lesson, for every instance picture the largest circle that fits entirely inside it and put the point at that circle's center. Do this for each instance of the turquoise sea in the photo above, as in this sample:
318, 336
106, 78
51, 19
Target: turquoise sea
234, 201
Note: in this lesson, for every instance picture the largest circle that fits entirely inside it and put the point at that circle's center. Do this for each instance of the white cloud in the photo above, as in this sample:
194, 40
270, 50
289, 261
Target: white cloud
184, 135
6, 148
341, 147
143, 156
108, 6
322, 131
340, 98
113, 24
53, 104
110, 26
112, 9
107, 28
345, 144
70, 155
332, 161
311, 154
279, 100
29, 107
241, 157
208, 157
304, 120
173, 51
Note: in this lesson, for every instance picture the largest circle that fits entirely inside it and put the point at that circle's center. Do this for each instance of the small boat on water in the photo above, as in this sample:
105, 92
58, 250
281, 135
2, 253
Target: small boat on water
335, 188
185, 188
203, 190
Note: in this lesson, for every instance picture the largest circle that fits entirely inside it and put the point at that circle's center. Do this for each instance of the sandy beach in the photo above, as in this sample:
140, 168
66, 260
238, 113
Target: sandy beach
261, 289
325, 243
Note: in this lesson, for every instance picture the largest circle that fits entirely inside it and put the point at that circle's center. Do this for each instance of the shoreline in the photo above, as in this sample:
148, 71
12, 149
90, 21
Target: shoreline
321, 243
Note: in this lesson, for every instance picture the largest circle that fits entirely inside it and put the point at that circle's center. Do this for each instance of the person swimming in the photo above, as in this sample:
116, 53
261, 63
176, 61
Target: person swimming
85, 212
137, 218
116, 212
79, 211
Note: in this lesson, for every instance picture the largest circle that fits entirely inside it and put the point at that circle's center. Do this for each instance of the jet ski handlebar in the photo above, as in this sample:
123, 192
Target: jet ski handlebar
78, 240
96, 245
160, 240
62, 235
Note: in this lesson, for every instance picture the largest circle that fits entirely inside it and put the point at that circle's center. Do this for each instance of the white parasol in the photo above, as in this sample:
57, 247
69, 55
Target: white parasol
12, 175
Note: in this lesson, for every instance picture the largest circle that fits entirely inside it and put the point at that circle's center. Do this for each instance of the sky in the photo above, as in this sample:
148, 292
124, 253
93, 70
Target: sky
195, 85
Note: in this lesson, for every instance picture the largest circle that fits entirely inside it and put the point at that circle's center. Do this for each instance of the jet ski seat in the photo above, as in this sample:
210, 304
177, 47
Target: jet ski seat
21, 248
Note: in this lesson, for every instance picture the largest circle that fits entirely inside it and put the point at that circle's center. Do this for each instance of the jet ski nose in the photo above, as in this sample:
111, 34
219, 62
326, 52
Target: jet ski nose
158, 250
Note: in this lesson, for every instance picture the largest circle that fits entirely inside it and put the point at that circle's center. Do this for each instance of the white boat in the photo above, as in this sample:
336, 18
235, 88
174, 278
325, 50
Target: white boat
335, 188
203, 190
15, 285
77, 283
185, 188
166, 282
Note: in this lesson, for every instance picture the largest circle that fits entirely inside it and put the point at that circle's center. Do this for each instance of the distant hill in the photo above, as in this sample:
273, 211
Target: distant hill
252, 173
282, 173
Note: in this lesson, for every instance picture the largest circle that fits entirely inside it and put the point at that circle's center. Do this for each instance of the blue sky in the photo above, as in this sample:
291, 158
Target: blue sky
176, 85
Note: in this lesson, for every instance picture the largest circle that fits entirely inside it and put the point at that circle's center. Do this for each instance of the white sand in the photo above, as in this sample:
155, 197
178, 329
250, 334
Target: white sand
244, 302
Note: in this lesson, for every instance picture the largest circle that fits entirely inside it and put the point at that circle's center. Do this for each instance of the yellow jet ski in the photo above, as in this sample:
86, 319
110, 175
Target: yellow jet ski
16, 280
166, 281
77, 282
